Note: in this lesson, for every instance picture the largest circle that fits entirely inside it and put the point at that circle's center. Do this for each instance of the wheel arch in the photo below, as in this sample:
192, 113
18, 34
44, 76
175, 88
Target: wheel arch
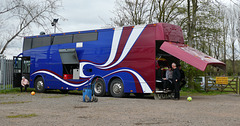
92, 81
35, 78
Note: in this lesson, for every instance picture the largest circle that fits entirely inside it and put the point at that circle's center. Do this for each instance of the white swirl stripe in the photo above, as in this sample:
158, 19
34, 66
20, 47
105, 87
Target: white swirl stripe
130, 42
136, 32
144, 85
60, 79
116, 39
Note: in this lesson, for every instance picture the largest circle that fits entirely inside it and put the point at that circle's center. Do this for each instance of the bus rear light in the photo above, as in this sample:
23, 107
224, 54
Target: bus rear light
62, 87
131, 90
77, 88
47, 87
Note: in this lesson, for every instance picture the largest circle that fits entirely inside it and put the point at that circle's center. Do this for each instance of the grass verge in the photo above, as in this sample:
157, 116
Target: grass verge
189, 92
23, 116
15, 91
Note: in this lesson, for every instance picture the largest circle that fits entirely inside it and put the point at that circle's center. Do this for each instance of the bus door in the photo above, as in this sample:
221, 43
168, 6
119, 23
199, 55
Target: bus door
21, 67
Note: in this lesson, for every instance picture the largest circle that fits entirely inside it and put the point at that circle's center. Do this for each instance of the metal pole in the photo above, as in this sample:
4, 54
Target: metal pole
55, 27
206, 84
238, 85
1, 72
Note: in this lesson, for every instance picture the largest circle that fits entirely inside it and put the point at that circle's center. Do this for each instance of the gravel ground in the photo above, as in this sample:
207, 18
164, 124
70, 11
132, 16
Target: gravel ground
69, 110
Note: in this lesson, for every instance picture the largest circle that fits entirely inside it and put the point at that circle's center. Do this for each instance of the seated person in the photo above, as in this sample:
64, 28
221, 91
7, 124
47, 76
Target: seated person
158, 72
24, 83
168, 80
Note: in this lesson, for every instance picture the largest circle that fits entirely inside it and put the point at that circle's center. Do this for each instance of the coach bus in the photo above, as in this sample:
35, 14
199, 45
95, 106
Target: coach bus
123, 59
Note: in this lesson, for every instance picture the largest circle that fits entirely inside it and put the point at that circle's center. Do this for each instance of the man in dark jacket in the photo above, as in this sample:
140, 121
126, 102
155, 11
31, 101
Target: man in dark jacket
176, 80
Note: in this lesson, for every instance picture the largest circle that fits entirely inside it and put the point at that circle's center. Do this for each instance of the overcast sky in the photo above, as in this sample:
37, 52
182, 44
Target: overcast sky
80, 15
85, 14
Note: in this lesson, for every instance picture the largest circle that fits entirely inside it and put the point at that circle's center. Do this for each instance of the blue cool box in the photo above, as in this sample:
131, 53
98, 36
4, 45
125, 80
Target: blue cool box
88, 92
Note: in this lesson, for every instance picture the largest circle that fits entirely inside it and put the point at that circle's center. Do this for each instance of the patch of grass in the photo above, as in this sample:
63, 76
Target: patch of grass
12, 91
75, 92
23, 116
80, 106
15, 90
14, 102
187, 92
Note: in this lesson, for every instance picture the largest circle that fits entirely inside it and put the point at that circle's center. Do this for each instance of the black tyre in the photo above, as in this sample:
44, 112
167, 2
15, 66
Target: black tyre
39, 85
99, 87
117, 88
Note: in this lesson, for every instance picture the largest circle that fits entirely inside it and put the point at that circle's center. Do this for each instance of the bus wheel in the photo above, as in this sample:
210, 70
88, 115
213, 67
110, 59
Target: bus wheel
116, 88
99, 87
39, 85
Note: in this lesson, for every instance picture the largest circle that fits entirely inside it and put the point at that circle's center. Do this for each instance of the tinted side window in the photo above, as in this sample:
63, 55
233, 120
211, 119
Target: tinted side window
39, 42
62, 39
27, 44
68, 56
85, 37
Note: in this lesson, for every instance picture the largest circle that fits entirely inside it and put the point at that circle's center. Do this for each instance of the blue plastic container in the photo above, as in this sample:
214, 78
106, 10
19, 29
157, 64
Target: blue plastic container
88, 92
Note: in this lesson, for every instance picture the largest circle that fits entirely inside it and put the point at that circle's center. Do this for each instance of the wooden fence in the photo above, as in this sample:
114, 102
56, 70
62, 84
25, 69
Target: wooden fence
231, 86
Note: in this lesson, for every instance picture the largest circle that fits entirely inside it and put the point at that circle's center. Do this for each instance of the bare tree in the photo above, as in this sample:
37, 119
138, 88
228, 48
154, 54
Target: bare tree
131, 12
233, 20
192, 7
168, 10
225, 34
25, 14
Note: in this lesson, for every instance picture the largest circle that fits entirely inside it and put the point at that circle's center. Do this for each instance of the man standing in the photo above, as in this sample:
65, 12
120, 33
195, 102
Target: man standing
176, 80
